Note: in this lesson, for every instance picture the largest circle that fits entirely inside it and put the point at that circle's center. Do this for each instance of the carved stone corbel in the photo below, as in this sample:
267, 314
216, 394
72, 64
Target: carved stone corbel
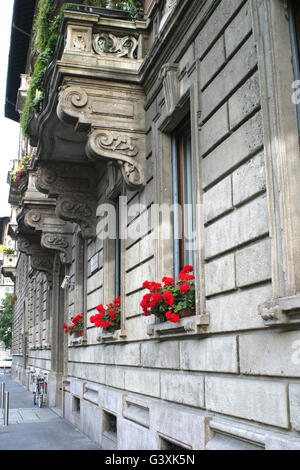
78, 209
40, 259
282, 311
58, 242
74, 187
122, 149
44, 263
116, 126
55, 234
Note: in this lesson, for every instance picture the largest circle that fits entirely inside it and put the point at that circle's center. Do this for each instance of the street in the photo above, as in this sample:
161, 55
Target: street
33, 428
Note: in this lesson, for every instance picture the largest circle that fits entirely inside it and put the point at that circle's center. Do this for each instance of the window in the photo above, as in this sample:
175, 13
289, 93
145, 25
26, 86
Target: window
76, 405
168, 444
183, 197
117, 250
294, 16
109, 426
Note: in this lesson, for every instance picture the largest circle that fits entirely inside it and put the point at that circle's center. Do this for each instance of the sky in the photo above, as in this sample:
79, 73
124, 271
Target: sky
9, 130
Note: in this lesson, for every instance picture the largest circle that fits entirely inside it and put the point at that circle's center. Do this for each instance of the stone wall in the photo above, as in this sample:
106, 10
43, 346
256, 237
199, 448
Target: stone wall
239, 376
227, 380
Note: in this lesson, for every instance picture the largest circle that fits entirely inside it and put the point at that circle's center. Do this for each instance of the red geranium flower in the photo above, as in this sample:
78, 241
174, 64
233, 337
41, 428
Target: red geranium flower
188, 269
184, 287
168, 281
175, 318
168, 297
169, 315
100, 309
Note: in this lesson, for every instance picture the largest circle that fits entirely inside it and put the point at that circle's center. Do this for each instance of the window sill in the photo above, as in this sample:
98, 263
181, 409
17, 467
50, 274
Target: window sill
111, 337
78, 341
186, 326
284, 311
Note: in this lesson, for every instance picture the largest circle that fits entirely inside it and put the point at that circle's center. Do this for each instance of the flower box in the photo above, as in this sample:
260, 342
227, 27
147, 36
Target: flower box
109, 318
170, 301
76, 326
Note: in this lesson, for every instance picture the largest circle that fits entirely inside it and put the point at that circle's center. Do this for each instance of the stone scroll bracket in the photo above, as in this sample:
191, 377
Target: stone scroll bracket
115, 126
58, 242
40, 259
121, 149
55, 234
43, 263
74, 187
284, 311
79, 209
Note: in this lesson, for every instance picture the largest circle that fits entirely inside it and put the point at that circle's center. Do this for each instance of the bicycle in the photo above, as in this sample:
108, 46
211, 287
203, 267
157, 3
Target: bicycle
38, 394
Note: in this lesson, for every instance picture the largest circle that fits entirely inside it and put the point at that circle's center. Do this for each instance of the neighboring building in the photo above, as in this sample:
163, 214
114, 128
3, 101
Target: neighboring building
192, 105
7, 258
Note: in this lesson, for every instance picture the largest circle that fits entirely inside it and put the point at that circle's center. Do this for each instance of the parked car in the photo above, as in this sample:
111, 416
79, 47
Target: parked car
6, 362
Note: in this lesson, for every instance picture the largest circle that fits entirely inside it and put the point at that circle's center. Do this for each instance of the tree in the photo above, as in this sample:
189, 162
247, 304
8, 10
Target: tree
6, 318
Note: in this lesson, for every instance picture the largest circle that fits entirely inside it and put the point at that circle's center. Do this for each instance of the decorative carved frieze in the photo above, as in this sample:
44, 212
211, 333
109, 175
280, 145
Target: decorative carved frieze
108, 44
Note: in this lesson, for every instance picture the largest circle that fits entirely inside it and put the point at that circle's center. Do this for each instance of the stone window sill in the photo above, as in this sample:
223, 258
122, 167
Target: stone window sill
196, 324
105, 337
79, 341
282, 311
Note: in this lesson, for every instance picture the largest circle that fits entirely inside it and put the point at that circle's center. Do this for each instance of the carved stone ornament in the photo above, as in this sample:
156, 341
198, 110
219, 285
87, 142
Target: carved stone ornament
169, 76
80, 210
281, 311
79, 42
40, 259
123, 146
44, 220
74, 187
43, 263
121, 149
107, 45
58, 242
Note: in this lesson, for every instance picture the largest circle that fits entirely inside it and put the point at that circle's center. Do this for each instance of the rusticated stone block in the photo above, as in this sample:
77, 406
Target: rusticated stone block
255, 400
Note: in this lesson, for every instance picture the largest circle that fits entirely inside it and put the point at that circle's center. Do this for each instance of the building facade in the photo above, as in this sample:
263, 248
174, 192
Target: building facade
185, 120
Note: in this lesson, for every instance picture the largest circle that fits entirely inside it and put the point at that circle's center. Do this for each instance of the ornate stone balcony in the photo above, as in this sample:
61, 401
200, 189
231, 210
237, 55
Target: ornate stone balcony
93, 112
9, 266
40, 233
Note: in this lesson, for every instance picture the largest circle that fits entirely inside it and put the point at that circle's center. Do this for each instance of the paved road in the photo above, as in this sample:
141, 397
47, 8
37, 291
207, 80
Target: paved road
33, 428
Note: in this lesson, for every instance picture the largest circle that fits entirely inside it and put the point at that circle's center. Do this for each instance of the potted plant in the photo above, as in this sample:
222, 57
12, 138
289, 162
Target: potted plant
19, 175
108, 318
170, 301
76, 326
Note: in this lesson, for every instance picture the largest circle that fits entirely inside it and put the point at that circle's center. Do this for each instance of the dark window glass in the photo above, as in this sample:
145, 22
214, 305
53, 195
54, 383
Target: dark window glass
183, 195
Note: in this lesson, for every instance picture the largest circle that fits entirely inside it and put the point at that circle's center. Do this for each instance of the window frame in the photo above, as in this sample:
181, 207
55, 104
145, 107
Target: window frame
294, 19
178, 180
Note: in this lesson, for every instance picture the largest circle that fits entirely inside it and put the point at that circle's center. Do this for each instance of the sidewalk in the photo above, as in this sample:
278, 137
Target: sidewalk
33, 428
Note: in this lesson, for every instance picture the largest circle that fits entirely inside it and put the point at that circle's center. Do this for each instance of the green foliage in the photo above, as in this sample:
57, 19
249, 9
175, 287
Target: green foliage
6, 319
42, 24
